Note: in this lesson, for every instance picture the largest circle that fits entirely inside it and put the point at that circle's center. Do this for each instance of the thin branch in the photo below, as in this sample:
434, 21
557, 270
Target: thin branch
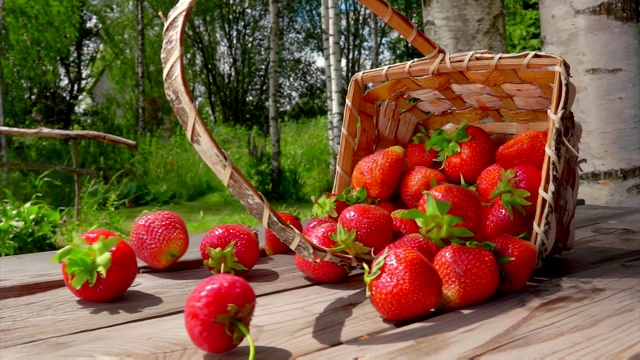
70, 134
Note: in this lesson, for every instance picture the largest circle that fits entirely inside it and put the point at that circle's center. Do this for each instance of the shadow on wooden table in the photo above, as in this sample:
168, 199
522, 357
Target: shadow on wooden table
242, 352
131, 302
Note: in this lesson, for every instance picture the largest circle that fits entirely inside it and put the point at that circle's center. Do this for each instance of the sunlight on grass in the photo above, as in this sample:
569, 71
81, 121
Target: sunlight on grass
211, 210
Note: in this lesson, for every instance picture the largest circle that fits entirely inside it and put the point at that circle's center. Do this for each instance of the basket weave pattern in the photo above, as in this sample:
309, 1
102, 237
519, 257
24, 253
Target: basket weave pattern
506, 94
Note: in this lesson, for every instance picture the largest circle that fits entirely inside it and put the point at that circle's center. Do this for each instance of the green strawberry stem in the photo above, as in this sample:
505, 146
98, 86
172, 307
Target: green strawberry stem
509, 195
245, 332
85, 261
223, 260
447, 144
346, 243
374, 271
436, 225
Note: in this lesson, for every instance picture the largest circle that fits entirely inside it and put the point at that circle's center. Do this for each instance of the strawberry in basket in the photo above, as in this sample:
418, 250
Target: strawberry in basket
379, 173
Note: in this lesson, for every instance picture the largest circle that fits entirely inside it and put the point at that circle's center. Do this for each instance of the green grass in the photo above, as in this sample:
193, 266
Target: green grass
211, 210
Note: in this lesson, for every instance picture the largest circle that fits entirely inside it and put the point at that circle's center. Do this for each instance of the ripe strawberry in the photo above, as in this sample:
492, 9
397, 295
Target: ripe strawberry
515, 188
517, 259
159, 238
499, 221
488, 182
218, 312
230, 247
379, 173
387, 205
465, 152
373, 225
469, 273
416, 181
308, 228
528, 178
526, 148
416, 153
416, 242
272, 244
321, 270
402, 284
403, 226
465, 203
99, 266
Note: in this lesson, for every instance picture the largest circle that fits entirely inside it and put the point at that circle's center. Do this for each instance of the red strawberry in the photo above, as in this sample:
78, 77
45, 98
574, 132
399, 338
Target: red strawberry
416, 242
218, 312
465, 203
99, 266
159, 238
316, 222
373, 225
387, 205
488, 182
272, 244
499, 221
403, 226
469, 273
416, 181
517, 260
379, 173
402, 285
526, 148
515, 188
321, 270
528, 178
230, 247
465, 152
418, 155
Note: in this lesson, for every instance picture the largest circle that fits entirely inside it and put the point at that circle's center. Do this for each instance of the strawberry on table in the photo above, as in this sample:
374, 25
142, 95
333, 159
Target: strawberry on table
526, 148
464, 203
517, 259
403, 226
418, 242
232, 248
272, 244
308, 228
159, 238
416, 181
372, 224
218, 312
500, 221
402, 284
321, 270
99, 266
470, 274
379, 173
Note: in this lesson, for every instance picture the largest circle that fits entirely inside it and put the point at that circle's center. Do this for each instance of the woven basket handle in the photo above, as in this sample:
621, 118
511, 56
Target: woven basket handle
179, 97
403, 26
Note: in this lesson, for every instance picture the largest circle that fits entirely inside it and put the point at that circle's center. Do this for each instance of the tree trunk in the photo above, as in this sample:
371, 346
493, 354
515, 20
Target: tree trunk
465, 25
327, 79
274, 127
140, 65
375, 45
3, 139
601, 43
335, 59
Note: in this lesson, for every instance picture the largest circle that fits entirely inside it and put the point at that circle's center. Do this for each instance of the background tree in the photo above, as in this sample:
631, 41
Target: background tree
3, 139
274, 127
601, 43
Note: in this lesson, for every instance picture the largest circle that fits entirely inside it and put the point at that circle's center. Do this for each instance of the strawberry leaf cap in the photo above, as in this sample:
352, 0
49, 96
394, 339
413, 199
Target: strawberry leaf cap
510, 196
346, 243
447, 144
234, 317
84, 262
324, 206
372, 272
223, 260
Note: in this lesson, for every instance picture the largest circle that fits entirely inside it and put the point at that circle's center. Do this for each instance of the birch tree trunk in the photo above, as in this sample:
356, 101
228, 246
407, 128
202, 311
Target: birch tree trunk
327, 79
601, 43
3, 139
335, 56
274, 127
465, 25
375, 45
140, 65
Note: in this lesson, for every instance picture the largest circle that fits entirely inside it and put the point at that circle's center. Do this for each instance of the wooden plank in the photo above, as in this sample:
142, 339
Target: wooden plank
593, 314
151, 295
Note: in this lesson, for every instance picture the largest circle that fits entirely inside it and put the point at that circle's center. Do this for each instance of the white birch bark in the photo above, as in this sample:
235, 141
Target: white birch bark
335, 58
274, 128
601, 43
465, 25
327, 77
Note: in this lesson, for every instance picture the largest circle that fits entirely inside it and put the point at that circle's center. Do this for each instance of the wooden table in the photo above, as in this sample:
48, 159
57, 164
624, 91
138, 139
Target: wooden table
584, 304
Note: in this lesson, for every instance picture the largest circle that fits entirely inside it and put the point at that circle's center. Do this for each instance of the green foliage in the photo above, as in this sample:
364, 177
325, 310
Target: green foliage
523, 25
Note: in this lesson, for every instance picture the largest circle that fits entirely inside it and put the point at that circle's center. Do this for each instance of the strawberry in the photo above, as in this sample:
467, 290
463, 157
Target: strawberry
528, 178
379, 173
159, 238
469, 273
418, 155
272, 244
416, 181
218, 312
402, 284
372, 224
517, 260
488, 181
389, 206
499, 221
416, 242
515, 188
464, 153
321, 270
99, 266
403, 226
526, 148
230, 247
308, 228
465, 203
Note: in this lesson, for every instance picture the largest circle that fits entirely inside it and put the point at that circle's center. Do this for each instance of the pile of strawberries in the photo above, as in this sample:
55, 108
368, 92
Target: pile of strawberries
441, 223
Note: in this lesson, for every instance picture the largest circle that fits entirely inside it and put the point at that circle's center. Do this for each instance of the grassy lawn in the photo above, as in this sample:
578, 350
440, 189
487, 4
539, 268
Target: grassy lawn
212, 210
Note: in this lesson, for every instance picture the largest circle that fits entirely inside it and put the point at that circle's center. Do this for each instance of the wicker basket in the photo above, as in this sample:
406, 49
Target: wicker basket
505, 94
